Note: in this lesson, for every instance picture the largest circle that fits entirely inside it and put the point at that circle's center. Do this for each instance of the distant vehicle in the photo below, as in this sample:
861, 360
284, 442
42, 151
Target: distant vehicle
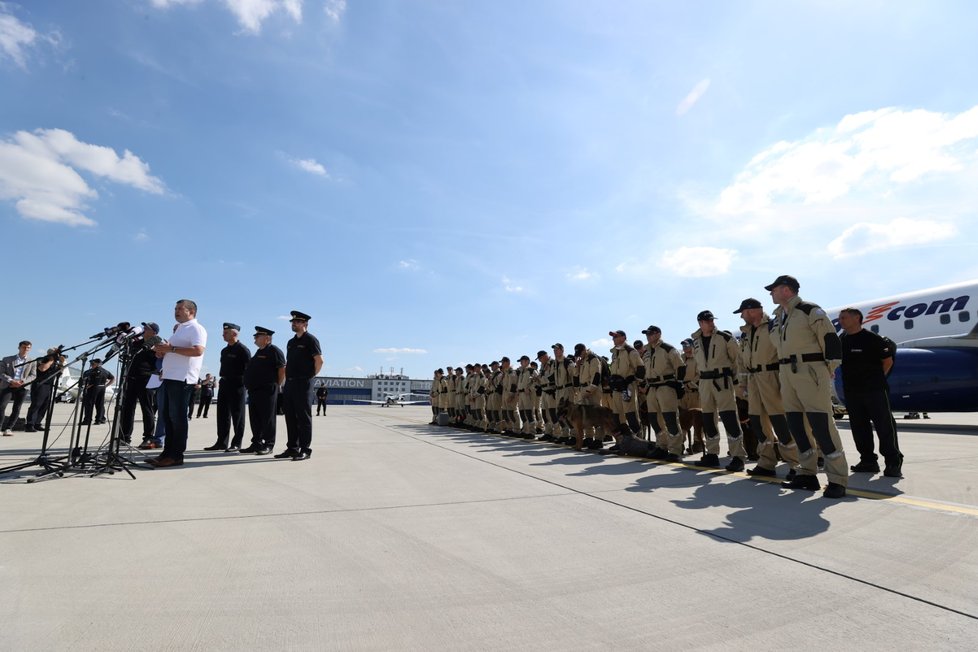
400, 399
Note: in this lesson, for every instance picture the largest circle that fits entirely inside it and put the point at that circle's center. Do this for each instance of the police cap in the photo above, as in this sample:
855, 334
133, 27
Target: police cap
233, 327
705, 315
747, 303
299, 316
784, 279
261, 330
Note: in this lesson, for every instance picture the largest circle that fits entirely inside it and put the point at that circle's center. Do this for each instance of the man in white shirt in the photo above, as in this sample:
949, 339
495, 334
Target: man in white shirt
182, 360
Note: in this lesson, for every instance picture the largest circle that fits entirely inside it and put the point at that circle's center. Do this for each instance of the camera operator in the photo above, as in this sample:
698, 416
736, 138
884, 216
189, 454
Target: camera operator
95, 380
48, 372
141, 368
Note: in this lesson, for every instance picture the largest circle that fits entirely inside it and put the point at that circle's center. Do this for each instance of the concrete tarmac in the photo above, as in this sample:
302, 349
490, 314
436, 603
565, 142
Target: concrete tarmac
398, 535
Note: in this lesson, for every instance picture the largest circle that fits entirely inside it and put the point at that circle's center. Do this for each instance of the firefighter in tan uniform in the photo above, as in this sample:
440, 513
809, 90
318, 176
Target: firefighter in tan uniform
626, 370
588, 366
547, 380
510, 424
765, 409
477, 397
564, 383
450, 395
690, 412
809, 350
716, 355
665, 370
494, 397
527, 392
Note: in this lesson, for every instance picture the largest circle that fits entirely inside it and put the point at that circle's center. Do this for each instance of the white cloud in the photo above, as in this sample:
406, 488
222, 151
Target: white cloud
335, 9
866, 237
581, 274
698, 262
694, 96
401, 350
141, 236
311, 166
17, 37
250, 13
40, 171
509, 286
409, 265
865, 153
285, 317
601, 343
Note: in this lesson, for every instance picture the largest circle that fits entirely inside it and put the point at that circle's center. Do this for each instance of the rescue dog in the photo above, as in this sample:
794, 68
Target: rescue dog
584, 417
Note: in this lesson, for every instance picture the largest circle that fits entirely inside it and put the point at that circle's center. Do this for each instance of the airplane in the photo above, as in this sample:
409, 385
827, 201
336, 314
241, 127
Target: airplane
936, 332
400, 399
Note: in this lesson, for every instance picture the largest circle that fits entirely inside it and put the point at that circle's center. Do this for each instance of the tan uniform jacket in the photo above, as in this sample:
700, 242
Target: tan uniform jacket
662, 363
805, 332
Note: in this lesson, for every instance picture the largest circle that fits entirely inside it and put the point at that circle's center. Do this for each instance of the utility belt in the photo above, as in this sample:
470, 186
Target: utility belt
767, 367
804, 357
552, 392
713, 374
661, 380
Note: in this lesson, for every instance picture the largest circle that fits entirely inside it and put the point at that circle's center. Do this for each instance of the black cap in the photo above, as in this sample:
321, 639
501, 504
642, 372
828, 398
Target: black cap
234, 327
98, 360
261, 330
468, 367
558, 345
579, 347
299, 315
504, 359
617, 333
784, 279
704, 316
687, 342
540, 354
439, 371
494, 363
747, 303
153, 325
652, 329
524, 357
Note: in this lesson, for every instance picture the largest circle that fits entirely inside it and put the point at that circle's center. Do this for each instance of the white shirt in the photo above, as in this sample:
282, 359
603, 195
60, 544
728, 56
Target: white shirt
181, 367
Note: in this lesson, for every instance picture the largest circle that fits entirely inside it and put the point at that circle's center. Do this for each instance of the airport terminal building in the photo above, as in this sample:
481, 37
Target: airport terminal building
350, 391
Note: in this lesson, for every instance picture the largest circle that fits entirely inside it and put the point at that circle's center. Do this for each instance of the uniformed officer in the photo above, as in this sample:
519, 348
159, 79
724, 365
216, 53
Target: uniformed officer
564, 383
231, 391
303, 360
716, 353
459, 397
809, 350
626, 369
510, 397
588, 384
664, 373
765, 409
264, 375
690, 412
322, 395
96, 379
494, 397
547, 380
526, 389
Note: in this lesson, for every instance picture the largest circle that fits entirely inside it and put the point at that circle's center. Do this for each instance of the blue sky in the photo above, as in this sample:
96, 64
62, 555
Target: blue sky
439, 183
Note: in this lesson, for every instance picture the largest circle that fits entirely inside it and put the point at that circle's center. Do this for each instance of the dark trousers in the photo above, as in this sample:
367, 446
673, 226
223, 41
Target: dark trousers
866, 411
298, 413
204, 405
191, 402
261, 414
136, 394
230, 412
94, 397
320, 403
178, 395
8, 394
40, 400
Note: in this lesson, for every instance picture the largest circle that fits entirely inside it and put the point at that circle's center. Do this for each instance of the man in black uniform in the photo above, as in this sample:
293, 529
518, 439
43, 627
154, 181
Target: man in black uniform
263, 375
141, 368
206, 395
231, 394
322, 393
95, 381
866, 360
304, 359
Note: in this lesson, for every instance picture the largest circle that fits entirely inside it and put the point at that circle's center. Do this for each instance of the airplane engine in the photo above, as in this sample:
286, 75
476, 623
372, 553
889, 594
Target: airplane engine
932, 380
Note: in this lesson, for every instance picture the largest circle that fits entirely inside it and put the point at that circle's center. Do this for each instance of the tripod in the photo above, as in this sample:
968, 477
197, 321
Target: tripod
112, 459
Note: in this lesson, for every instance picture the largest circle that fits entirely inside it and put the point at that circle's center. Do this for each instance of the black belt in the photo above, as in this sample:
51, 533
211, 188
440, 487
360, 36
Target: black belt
726, 372
662, 379
804, 357
768, 367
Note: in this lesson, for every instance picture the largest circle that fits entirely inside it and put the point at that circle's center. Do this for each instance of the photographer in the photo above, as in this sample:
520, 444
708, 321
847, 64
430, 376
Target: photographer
141, 368
48, 372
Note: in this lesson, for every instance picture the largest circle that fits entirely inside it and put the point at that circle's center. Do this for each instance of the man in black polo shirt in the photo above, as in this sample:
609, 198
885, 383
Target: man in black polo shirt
96, 379
231, 391
303, 360
866, 360
264, 374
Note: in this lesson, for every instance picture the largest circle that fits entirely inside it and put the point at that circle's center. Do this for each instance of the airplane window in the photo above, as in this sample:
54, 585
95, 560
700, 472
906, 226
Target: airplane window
963, 316
945, 319
875, 328
908, 324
